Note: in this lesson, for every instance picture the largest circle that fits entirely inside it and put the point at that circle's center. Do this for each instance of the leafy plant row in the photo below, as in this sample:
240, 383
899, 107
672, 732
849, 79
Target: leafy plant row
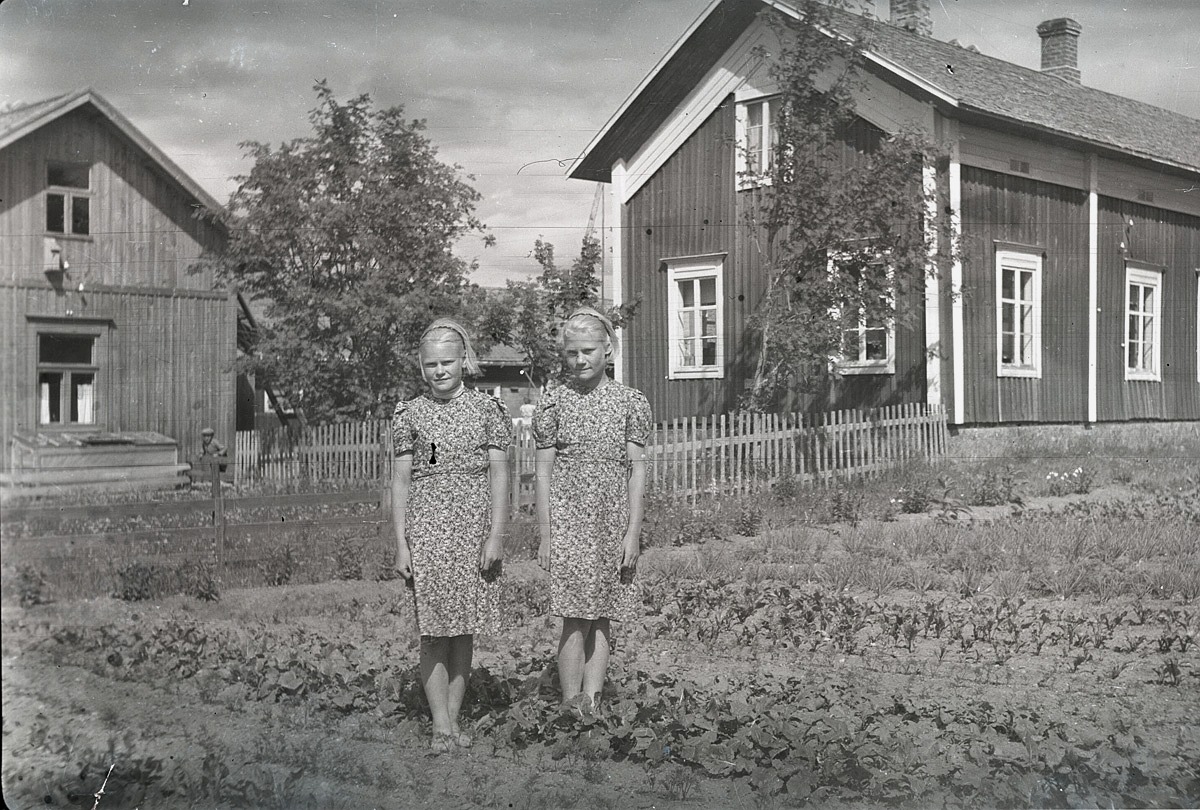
801, 738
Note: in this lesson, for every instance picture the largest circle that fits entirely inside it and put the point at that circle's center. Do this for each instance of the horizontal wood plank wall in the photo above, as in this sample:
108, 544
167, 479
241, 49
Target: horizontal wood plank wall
1170, 241
143, 232
165, 360
1006, 208
685, 209
996, 151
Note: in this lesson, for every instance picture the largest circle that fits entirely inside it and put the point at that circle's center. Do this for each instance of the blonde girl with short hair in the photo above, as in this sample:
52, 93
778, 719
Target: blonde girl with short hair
590, 480
449, 507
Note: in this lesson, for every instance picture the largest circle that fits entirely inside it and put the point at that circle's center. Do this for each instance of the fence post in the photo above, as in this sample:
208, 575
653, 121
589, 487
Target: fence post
218, 513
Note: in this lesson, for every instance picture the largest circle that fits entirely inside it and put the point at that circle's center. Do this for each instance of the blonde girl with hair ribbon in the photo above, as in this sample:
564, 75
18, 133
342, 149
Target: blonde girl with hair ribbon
591, 436
449, 508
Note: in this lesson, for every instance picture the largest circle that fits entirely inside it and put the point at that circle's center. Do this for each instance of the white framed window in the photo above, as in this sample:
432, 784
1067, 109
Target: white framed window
68, 199
1143, 319
66, 378
758, 140
696, 317
1018, 313
868, 343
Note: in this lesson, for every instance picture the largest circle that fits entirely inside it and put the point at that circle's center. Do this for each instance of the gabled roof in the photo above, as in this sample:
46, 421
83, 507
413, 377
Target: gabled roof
975, 86
501, 354
17, 122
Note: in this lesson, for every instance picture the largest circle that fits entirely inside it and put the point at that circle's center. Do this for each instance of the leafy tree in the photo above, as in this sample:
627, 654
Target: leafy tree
537, 308
841, 240
345, 239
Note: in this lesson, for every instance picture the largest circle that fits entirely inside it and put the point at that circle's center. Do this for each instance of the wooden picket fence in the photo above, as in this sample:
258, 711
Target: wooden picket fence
719, 454
341, 451
740, 452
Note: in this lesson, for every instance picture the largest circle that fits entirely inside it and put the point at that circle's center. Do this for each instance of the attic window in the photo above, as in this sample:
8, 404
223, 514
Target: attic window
757, 137
68, 199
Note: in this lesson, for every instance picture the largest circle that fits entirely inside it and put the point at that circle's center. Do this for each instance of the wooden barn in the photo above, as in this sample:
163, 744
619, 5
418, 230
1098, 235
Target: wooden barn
1074, 298
111, 352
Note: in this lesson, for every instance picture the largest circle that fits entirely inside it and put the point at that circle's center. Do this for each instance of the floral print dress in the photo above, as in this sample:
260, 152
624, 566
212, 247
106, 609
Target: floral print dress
589, 496
449, 508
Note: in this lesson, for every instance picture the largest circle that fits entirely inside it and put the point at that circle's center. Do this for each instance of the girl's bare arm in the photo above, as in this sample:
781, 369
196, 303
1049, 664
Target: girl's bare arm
401, 480
493, 549
637, 493
543, 467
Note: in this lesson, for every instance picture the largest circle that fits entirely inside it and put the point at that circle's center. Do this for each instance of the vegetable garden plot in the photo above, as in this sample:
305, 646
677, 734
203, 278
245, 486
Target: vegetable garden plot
730, 692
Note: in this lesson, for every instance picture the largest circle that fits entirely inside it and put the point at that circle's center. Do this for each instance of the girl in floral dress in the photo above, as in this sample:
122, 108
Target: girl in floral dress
449, 502
591, 477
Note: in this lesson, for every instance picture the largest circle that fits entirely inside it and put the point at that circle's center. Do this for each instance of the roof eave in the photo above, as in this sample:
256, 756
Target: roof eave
971, 113
578, 170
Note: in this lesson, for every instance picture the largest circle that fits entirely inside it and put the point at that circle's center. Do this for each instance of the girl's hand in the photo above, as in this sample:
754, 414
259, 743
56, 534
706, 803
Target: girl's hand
631, 550
544, 554
404, 562
491, 555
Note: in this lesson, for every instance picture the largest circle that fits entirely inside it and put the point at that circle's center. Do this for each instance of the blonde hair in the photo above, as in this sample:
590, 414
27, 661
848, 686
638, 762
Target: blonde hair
445, 329
586, 319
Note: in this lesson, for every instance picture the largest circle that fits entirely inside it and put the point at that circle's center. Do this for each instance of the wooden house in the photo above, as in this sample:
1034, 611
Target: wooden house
502, 374
1073, 299
106, 338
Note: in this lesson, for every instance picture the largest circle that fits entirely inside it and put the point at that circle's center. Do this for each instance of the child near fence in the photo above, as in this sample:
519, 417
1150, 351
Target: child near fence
450, 504
591, 477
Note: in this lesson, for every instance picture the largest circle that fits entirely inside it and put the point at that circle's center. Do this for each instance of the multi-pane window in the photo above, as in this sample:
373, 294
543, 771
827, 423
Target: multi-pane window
1143, 317
758, 139
866, 342
68, 198
1019, 313
868, 338
66, 368
695, 312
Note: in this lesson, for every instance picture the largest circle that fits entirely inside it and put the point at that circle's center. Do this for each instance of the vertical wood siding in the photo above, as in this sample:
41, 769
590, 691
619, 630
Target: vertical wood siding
166, 360
143, 232
1170, 241
691, 207
685, 209
1000, 207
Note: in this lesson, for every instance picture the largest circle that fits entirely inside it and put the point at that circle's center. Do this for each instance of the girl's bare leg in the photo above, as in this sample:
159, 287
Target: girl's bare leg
459, 672
435, 677
595, 659
571, 656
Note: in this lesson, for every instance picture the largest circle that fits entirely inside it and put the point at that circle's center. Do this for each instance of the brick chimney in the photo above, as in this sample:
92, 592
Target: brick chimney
1060, 48
912, 15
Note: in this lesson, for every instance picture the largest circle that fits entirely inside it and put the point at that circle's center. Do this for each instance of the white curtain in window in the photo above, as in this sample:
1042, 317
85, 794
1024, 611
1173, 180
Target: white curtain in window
85, 402
44, 403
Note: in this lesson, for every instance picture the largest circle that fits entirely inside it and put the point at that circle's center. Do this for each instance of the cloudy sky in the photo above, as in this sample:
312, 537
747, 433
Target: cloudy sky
506, 86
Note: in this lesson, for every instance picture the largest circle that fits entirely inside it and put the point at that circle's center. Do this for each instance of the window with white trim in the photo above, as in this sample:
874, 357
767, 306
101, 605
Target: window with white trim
66, 378
1143, 318
696, 317
757, 138
68, 199
868, 341
1018, 314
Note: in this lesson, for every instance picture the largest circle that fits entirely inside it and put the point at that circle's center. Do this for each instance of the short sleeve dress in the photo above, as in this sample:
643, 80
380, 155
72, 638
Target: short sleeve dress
449, 508
589, 496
